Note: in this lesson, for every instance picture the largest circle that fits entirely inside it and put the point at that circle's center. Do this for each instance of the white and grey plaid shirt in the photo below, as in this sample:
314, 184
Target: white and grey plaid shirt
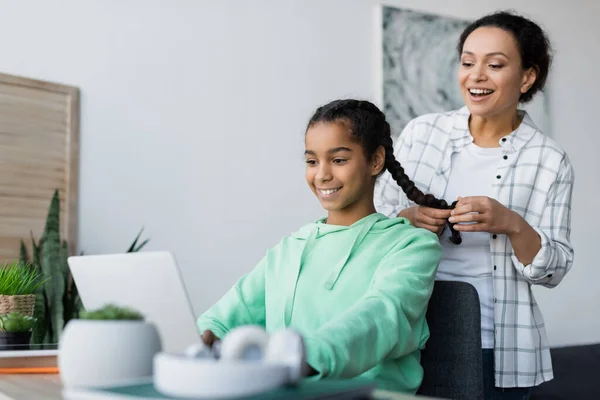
534, 177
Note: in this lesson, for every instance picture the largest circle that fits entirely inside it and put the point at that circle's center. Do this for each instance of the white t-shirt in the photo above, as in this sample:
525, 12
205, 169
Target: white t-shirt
472, 174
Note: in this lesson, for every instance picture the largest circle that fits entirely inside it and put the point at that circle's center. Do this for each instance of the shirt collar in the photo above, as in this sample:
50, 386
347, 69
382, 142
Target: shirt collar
460, 135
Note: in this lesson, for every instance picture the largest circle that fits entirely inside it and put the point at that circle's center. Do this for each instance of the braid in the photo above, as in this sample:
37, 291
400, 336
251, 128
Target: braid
408, 186
369, 126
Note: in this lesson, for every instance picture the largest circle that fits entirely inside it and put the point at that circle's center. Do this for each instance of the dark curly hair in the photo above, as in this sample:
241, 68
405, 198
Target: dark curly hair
534, 46
369, 127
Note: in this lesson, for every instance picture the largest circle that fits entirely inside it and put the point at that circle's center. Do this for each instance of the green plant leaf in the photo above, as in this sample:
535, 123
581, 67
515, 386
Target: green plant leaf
134, 246
52, 267
138, 248
17, 278
40, 310
23, 256
112, 312
69, 297
16, 322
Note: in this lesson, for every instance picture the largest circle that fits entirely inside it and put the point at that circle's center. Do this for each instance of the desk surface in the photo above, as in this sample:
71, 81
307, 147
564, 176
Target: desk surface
49, 387
29, 387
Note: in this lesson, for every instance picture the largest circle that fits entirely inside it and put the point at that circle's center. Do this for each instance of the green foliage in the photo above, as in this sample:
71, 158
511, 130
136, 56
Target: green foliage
57, 300
18, 278
23, 256
54, 266
112, 312
16, 322
137, 247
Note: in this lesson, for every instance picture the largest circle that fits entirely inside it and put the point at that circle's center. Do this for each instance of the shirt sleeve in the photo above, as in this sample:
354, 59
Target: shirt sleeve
388, 322
555, 257
389, 198
243, 304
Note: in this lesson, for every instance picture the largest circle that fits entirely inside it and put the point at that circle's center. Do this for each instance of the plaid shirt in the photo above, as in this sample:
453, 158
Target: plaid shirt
534, 177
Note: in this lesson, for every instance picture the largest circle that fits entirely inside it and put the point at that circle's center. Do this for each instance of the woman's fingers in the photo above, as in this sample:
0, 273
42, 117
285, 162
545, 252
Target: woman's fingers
478, 227
423, 219
434, 213
471, 217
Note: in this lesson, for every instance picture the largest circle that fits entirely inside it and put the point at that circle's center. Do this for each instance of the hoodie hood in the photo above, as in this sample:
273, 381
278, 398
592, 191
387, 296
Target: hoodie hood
310, 233
319, 228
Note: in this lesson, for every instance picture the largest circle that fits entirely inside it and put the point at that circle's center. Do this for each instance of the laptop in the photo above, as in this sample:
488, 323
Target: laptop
149, 282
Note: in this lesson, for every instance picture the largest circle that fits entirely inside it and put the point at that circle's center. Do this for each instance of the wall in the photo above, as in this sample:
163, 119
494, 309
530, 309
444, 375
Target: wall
193, 115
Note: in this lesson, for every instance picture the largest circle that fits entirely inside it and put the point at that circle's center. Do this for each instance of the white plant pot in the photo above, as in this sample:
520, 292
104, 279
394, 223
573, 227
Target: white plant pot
94, 353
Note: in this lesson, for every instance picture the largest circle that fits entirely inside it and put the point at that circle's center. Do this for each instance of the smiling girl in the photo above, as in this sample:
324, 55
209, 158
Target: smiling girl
356, 283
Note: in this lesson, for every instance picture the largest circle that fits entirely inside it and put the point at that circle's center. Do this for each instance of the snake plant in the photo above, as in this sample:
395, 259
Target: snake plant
57, 300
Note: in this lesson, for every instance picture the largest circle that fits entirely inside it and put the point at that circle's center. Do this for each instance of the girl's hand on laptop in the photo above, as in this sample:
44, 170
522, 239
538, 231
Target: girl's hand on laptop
209, 338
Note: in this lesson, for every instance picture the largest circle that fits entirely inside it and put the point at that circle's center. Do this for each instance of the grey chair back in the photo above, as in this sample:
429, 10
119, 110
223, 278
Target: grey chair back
452, 359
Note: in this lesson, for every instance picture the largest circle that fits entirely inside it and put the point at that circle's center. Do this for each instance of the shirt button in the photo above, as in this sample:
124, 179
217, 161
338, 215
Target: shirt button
549, 275
494, 236
494, 267
505, 157
495, 300
498, 177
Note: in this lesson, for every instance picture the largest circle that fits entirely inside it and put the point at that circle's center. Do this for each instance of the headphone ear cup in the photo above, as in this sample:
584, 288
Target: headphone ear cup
247, 343
286, 347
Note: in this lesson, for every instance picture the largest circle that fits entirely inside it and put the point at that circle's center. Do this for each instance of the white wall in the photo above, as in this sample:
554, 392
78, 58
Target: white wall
193, 115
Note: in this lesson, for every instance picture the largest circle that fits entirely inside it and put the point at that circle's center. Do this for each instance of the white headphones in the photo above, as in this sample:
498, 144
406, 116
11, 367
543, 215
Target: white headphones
248, 361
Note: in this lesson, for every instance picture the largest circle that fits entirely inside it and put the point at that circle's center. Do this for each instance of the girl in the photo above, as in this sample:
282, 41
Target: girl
514, 187
355, 284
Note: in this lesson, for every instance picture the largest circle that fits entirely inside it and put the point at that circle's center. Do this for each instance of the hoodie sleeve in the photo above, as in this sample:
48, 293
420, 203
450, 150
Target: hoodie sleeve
243, 304
389, 320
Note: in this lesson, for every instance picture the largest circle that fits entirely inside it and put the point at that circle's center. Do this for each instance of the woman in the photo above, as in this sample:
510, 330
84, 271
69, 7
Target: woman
355, 284
513, 185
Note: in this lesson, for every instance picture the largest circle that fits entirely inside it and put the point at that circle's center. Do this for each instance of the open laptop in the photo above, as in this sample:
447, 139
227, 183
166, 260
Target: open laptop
149, 282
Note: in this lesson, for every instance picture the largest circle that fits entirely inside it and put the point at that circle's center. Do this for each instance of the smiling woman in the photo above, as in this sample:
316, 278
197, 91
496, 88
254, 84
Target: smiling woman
513, 186
356, 283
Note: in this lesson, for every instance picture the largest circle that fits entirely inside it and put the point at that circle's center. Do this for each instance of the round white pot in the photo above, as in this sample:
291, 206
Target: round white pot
95, 353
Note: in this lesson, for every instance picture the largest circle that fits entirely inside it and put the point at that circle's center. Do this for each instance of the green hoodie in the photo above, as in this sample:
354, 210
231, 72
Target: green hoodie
358, 294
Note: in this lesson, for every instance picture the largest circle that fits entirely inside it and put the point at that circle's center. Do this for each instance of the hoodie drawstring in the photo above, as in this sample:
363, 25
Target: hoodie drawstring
289, 305
337, 270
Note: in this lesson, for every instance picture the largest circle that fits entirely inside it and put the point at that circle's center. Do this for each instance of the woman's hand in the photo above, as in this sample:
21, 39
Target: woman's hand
432, 219
484, 214
491, 216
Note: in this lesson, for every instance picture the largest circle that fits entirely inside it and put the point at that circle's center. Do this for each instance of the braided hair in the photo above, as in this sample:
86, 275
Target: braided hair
368, 125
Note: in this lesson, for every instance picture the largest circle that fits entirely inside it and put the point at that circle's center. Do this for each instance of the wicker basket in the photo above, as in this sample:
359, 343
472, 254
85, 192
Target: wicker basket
21, 303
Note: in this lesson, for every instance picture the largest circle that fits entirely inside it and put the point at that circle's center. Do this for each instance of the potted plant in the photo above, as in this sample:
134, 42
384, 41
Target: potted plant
15, 331
57, 301
18, 284
107, 346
